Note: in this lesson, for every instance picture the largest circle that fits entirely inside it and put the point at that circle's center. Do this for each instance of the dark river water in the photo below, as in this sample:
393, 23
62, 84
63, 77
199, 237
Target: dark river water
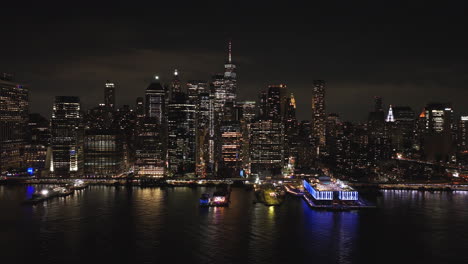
166, 225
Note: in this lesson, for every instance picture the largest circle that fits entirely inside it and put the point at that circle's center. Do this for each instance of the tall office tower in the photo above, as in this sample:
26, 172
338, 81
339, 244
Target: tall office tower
203, 127
126, 122
463, 141
156, 102
194, 88
231, 148
377, 134
439, 118
305, 145
98, 117
290, 133
248, 114
140, 107
219, 90
419, 132
231, 112
212, 165
67, 137
276, 101
35, 152
109, 95
263, 105
402, 129
334, 135
230, 78
318, 115
14, 107
150, 154
181, 135
249, 110
176, 86
378, 105
439, 136
390, 117
38, 129
104, 155
266, 148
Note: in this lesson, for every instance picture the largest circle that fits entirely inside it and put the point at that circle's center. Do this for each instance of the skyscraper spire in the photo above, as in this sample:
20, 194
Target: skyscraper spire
230, 51
390, 117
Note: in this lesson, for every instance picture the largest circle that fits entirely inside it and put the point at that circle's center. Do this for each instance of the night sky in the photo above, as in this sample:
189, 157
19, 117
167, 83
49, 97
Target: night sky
409, 54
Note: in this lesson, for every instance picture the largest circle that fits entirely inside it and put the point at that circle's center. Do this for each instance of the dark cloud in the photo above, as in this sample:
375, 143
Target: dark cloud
409, 53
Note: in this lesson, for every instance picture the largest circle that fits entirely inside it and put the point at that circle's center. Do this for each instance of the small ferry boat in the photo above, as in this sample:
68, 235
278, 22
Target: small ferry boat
63, 191
79, 185
40, 196
220, 197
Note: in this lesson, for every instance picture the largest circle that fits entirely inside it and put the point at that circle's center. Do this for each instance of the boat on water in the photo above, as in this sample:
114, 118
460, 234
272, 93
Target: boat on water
79, 185
220, 197
63, 191
40, 196
49, 193
205, 199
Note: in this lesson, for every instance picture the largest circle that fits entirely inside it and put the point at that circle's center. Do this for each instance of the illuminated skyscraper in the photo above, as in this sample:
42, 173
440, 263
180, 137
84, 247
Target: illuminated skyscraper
38, 142
231, 146
276, 101
109, 95
439, 135
140, 107
334, 135
156, 102
204, 134
402, 129
266, 147
439, 118
263, 104
67, 137
249, 110
290, 132
305, 145
14, 107
318, 114
176, 86
379, 147
103, 153
230, 78
390, 117
463, 140
181, 135
150, 154
194, 88
219, 90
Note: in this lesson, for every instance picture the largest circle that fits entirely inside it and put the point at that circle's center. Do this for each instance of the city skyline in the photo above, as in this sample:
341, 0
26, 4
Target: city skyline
230, 132
409, 61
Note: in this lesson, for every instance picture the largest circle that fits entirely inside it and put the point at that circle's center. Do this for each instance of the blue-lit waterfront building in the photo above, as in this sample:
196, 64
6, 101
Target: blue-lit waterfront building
330, 191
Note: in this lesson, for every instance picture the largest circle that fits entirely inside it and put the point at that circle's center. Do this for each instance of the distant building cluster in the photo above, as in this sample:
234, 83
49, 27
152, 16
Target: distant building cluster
201, 129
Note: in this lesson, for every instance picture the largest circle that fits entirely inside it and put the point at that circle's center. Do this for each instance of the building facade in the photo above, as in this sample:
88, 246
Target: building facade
66, 137
14, 110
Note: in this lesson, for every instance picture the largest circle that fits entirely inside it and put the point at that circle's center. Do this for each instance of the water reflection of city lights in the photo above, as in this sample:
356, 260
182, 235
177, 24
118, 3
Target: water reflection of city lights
271, 211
